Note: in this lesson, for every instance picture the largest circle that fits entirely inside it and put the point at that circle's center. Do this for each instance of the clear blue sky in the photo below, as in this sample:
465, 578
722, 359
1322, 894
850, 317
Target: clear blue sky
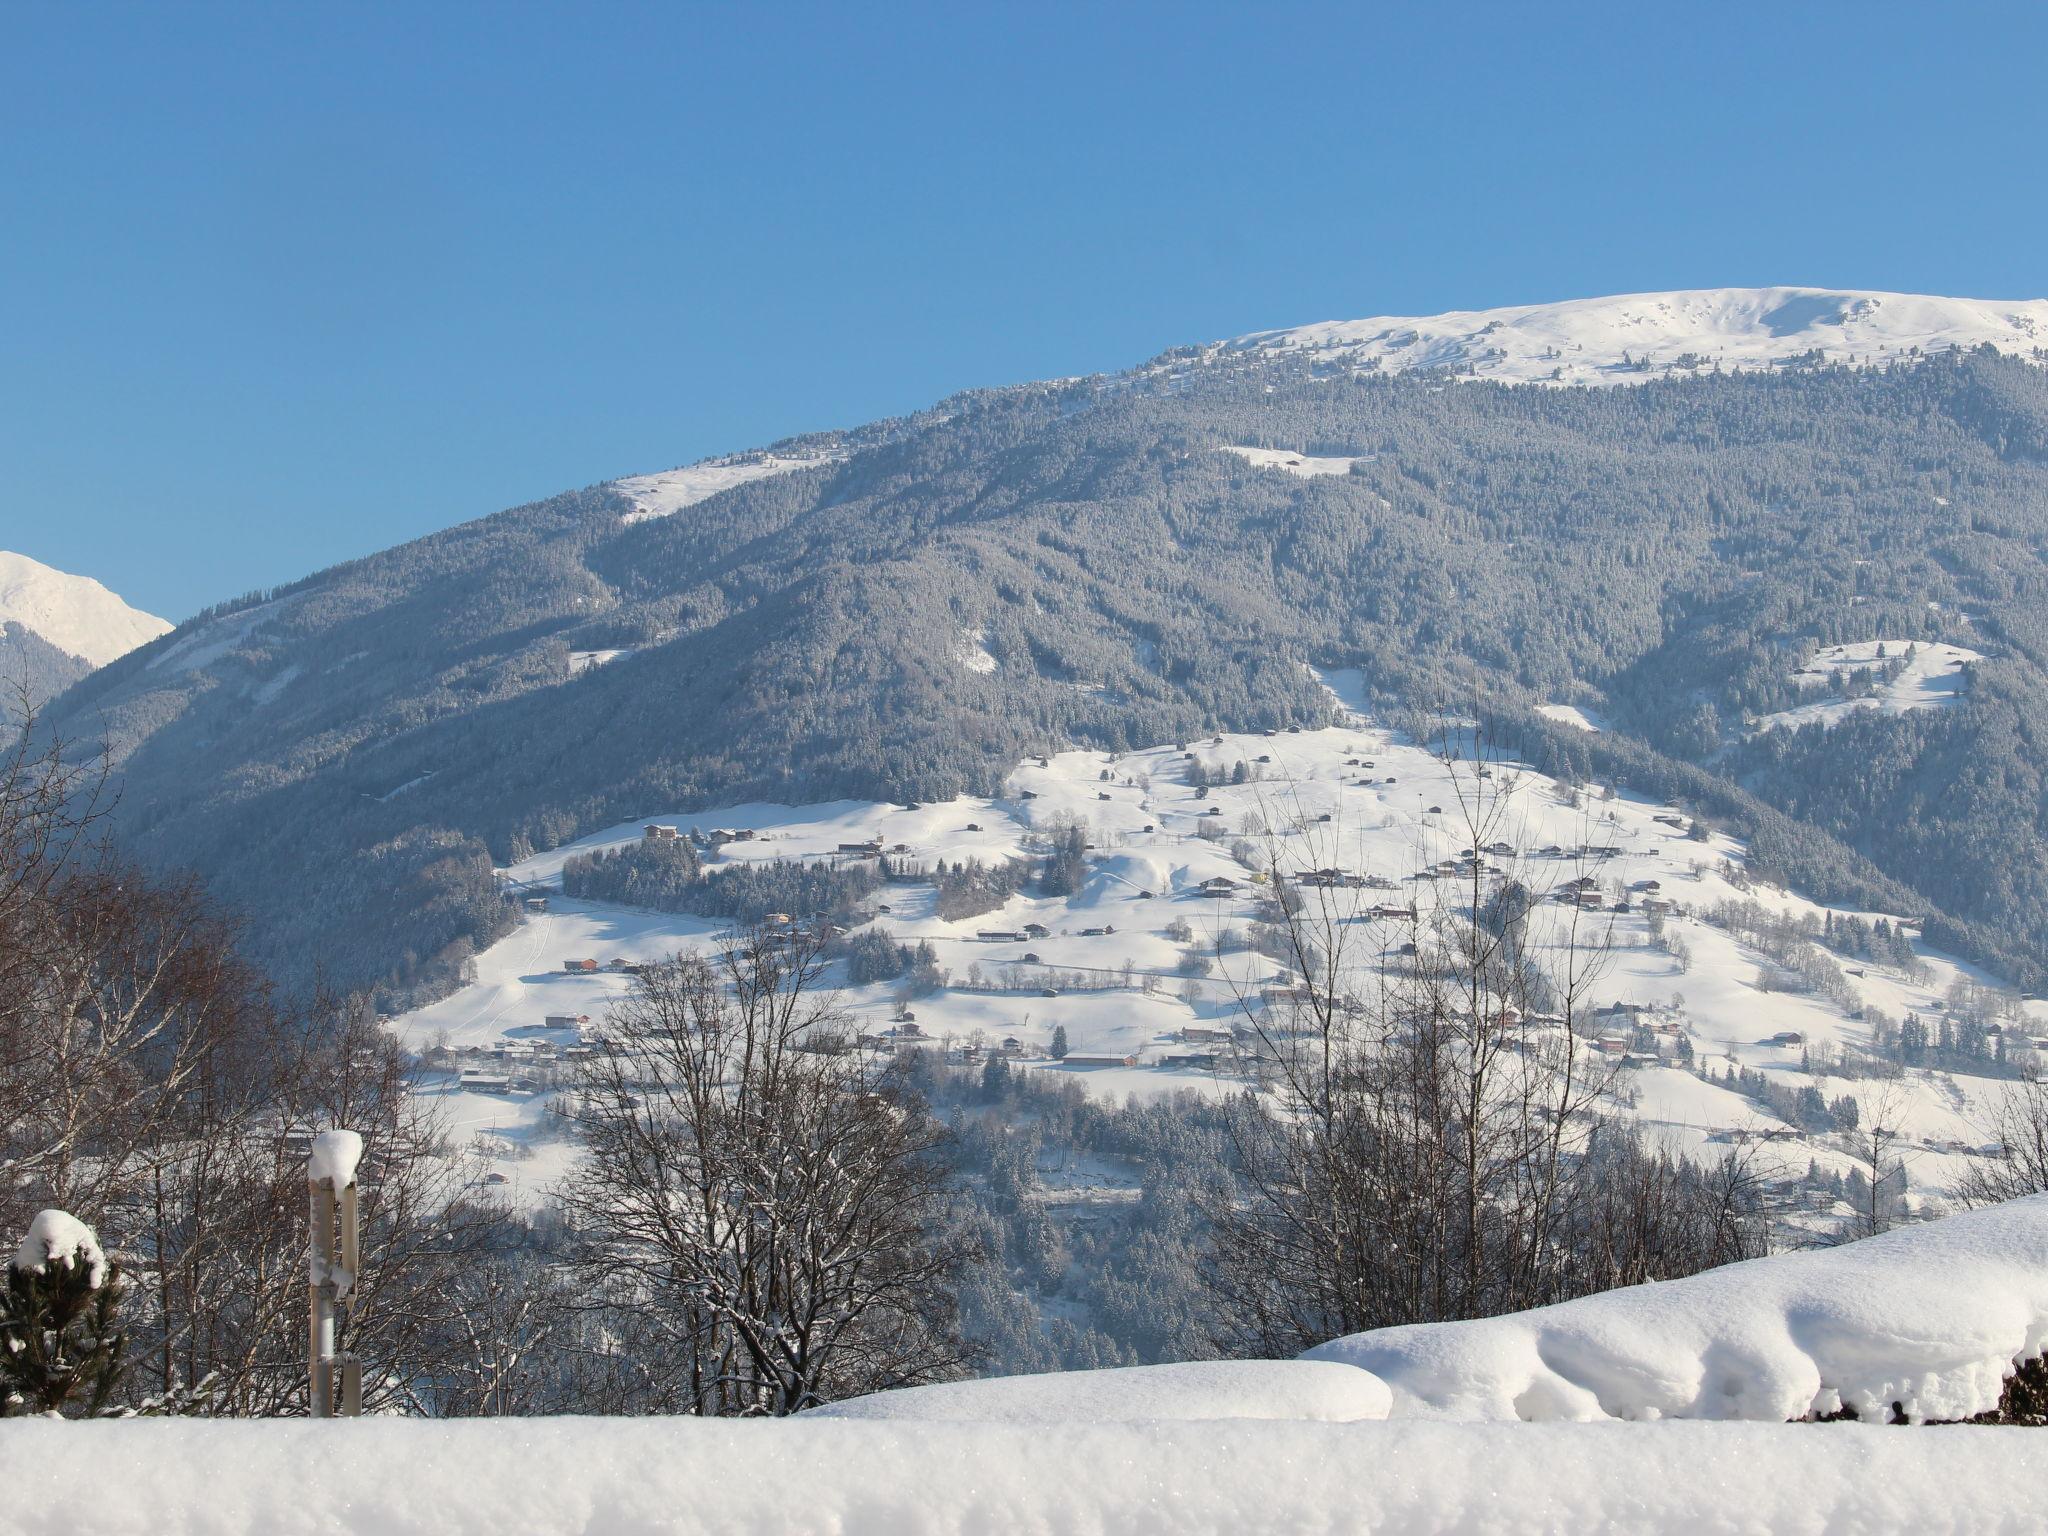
286, 284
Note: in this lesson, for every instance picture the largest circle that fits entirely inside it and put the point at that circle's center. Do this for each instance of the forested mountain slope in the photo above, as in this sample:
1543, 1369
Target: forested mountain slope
907, 610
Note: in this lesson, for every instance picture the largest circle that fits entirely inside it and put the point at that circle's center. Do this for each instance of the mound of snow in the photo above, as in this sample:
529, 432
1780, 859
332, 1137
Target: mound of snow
1196, 1389
669, 492
334, 1158
1635, 337
491, 1477
58, 1237
1119, 877
1931, 1318
74, 613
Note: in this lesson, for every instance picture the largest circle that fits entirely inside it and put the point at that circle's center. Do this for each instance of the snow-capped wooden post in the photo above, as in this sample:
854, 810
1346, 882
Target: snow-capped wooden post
331, 1262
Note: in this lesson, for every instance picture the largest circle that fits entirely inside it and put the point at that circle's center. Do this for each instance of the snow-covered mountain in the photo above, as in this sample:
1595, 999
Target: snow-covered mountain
1631, 338
73, 613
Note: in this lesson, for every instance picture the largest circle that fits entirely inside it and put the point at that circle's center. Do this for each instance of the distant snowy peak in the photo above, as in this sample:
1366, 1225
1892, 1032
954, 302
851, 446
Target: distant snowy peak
1632, 338
74, 613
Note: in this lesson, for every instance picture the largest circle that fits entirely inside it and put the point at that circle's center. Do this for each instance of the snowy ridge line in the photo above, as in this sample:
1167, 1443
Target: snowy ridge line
74, 613
1633, 338
582, 1477
1931, 1318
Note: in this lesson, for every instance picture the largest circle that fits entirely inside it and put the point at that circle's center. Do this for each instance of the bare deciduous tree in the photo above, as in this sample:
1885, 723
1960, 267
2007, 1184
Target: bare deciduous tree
761, 1205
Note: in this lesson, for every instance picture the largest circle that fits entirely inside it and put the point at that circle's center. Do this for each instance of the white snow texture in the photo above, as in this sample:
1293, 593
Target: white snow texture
1632, 338
1194, 1390
334, 1158
74, 613
1931, 1318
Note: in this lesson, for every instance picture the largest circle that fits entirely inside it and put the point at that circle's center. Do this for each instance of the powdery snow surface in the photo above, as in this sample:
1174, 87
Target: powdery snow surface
58, 1237
1931, 1318
653, 1477
74, 613
1305, 465
1199, 1389
667, 493
1933, 678
1600, 341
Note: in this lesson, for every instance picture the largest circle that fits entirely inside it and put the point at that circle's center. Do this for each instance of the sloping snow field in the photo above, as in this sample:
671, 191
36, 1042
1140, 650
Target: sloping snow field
1632, 338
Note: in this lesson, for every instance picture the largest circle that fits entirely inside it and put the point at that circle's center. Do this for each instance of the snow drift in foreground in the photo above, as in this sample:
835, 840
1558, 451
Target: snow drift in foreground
1931, 1318
1194, 1390
637, 1477
1634, 337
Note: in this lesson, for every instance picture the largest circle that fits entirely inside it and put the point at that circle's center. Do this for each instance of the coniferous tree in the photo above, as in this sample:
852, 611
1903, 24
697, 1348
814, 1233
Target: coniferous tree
60, 1336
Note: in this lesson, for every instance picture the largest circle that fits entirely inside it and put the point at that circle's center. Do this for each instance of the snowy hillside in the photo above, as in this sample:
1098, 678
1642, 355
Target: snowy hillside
667, 493
1631, 338
74, 613
1105, 965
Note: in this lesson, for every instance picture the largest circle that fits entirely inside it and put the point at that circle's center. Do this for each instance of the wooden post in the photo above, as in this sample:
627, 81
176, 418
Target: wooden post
333, 1259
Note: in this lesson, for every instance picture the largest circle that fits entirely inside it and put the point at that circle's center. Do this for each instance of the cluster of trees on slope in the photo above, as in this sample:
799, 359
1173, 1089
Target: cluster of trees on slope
1673, 549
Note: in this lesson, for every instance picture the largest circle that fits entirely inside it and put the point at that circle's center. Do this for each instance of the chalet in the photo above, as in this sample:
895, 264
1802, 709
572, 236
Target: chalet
536, 903
974, 826
1097, 933
1198, 1034
1142, 896
776, 920
1324, 817
477, 1080
1647, 885
579, 967
1200, 1061
1012, 1046
1000, 936
1030, 957
1218, 885
575, 1021
871, 849
1434, 810
1037, 931
1390, 911
1029, 794
1787, 1037
1092, 1059
655, 832
1265, 757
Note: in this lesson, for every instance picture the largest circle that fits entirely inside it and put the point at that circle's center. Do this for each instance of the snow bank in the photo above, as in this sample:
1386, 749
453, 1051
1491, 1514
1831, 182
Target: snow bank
58, 1237
638, 1477
1198, 1389
334, 1158
1930, 1317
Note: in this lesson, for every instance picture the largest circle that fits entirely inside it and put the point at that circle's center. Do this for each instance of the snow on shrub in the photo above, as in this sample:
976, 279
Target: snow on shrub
61, 1239
1199, 1389
1931, 1318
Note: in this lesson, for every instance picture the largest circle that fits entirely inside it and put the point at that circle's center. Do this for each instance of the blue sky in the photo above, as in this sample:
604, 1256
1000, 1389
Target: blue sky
286, 284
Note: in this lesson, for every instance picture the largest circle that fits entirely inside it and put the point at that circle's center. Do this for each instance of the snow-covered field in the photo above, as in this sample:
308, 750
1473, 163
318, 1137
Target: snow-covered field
1931, 678
1307, 466
1632, 338
822, 1477
1102, 965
